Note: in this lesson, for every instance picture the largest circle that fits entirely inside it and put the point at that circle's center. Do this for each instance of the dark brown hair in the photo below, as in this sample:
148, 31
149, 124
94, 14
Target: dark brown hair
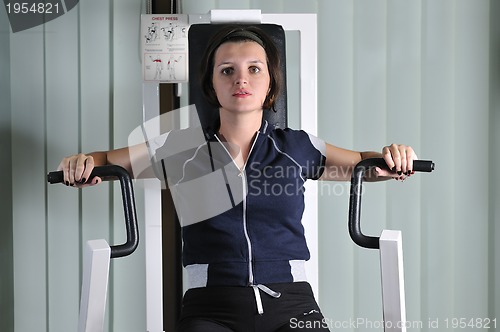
237, 33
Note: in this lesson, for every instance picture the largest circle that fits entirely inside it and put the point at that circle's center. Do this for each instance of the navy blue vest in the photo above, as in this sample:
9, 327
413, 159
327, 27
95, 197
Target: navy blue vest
242, 227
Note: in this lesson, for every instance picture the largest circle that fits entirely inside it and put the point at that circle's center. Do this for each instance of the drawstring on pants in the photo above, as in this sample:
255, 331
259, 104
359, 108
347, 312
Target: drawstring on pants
258, 299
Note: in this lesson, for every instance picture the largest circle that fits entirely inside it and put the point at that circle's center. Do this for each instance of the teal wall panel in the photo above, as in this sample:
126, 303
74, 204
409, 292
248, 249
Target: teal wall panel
75, 86
6, 240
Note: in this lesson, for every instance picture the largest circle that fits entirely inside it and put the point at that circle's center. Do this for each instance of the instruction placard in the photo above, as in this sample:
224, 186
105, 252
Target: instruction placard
165, 47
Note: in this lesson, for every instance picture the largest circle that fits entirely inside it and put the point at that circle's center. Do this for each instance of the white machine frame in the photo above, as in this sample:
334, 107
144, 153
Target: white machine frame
392, 276
96, 260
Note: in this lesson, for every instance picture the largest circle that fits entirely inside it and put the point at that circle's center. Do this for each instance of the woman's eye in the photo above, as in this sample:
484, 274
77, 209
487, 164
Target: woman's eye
227, 71
254, 70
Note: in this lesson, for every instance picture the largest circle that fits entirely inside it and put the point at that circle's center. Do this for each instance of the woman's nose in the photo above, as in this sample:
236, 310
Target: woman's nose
241, 78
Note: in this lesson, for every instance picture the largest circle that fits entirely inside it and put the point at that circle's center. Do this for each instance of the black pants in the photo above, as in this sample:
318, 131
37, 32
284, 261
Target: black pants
234, 309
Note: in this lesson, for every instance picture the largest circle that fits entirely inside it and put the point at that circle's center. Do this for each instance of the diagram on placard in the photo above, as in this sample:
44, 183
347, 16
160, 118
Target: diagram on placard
158, 67
164, 47
152, 35
164, 67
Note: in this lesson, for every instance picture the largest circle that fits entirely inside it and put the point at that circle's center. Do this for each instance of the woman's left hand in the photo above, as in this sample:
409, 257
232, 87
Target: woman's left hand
399, 159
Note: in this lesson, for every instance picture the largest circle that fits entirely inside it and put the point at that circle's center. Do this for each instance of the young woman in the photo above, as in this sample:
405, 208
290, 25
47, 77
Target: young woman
245, 263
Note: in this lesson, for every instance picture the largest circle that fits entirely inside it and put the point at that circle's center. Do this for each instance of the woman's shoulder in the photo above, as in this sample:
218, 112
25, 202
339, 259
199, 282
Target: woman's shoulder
297, 138
287, 132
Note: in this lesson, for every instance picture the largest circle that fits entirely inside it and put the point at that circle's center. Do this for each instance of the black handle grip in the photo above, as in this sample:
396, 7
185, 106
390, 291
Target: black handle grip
128, 199
370, 242
55, 177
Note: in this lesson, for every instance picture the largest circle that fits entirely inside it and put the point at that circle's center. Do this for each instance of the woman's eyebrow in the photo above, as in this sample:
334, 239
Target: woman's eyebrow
224, 63
256, 61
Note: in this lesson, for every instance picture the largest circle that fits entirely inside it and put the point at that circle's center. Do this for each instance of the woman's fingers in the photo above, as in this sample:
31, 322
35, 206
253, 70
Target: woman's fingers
399, 158
84, 167
388, 153
64, 166
92, 182
77, 170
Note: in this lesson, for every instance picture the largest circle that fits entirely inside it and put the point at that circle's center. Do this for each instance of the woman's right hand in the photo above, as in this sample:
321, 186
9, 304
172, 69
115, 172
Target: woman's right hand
77, 169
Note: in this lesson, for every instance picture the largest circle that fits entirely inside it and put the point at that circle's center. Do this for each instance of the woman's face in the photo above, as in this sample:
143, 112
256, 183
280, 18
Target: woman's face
241, 77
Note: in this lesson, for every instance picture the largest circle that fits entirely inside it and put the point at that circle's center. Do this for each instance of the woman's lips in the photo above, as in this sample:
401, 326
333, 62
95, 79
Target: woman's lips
242, 94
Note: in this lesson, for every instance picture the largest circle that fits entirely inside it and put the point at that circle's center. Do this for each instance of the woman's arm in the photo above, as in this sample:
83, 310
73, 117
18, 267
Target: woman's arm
341, 162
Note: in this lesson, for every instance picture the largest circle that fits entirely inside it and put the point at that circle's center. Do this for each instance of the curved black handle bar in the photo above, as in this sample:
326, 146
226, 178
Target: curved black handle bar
128, 204
358, 173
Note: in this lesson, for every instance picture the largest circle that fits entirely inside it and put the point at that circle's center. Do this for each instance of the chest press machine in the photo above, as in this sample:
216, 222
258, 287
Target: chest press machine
98, 252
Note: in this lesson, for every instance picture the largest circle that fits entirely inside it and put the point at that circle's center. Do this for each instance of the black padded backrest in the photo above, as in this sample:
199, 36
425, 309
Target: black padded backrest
199, 35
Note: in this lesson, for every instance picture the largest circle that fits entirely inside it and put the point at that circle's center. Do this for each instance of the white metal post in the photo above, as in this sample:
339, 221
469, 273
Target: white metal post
393, 292
97, 256
152, 217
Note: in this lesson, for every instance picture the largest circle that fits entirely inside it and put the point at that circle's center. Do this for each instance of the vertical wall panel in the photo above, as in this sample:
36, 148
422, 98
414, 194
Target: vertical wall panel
275, 6
403, 126
95, 129
63, 221
28, 179
233, 4
437, 142
494, 230
335, 125
63, 102
299, 6
129, 303
471, 136
370, 104
95, 108
6, 241
197, 7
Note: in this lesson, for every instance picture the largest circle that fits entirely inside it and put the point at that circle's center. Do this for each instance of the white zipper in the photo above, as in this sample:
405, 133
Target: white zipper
245, 230
256, 288
244, 185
